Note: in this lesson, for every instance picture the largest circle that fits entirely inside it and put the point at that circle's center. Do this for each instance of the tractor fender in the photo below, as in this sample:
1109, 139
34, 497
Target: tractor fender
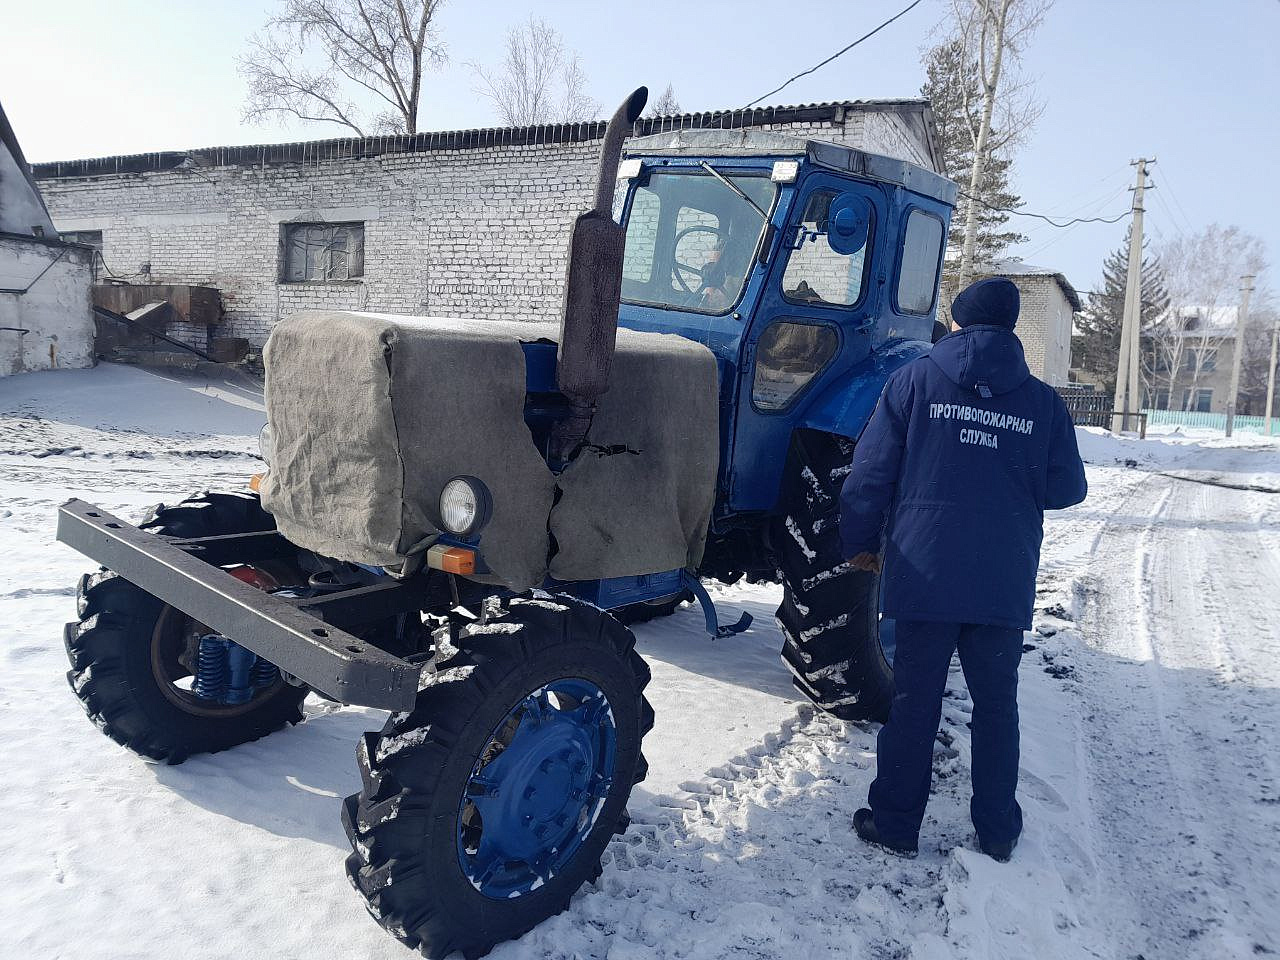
845, 405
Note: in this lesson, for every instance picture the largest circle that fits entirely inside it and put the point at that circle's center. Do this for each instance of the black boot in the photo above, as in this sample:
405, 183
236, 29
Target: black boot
1000, 852
865, 825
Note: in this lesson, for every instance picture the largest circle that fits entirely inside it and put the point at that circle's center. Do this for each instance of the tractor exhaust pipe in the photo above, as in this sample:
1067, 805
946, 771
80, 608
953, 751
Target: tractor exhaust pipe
592, 293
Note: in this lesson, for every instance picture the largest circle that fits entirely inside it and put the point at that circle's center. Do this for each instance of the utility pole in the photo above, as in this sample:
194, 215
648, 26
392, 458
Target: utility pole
1128, 383
1246, 288
1271, 377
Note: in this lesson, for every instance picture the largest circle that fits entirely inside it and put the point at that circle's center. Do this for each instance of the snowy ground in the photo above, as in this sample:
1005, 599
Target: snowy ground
1150, 701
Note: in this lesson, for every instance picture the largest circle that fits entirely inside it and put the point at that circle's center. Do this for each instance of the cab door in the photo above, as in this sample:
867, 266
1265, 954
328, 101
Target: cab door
814, 321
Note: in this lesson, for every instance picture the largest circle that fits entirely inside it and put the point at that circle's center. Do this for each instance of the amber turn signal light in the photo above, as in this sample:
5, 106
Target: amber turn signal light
255, 482
451, 559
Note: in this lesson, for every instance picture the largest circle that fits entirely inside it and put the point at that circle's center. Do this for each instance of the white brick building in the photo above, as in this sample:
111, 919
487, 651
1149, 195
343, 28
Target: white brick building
45, 315
470, 223
1049, 304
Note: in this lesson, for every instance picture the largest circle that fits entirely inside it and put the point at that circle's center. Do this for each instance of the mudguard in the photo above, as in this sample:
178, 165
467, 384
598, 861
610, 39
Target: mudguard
845, 405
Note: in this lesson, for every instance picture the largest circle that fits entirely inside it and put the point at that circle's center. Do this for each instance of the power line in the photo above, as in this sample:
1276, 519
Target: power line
839, 53
1064, 208
1186, 221
1063, 234
1050, 220
1173, 219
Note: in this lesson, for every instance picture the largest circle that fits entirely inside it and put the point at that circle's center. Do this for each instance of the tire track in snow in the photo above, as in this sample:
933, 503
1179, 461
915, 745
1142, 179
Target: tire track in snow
1188, 847
759, 860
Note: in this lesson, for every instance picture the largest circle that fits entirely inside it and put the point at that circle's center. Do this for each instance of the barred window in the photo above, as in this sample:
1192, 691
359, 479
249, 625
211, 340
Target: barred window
321, 251
90, 238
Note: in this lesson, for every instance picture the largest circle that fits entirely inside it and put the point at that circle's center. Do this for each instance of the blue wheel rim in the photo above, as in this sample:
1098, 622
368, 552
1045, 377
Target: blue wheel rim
537, 790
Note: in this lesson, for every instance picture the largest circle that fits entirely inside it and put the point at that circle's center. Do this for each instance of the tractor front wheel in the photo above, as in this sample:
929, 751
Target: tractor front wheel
490, 803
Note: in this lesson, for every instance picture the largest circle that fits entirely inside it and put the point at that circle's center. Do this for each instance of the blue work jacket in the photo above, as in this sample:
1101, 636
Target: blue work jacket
964, 453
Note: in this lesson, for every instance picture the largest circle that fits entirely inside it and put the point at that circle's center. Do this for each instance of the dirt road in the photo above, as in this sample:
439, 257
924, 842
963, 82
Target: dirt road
1183, 654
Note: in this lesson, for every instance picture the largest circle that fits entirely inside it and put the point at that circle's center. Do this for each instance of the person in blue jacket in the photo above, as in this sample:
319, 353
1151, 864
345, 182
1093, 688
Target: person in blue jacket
964, 453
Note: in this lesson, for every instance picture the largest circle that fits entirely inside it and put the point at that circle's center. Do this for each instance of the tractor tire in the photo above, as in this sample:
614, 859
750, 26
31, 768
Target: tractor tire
486, 807
125, 650
830, 613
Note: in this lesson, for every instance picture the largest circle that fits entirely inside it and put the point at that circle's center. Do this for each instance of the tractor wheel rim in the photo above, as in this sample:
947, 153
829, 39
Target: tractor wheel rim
173, 634
538, 788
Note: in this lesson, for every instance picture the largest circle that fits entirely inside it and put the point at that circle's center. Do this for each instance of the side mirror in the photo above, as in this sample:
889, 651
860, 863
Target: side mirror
848, 223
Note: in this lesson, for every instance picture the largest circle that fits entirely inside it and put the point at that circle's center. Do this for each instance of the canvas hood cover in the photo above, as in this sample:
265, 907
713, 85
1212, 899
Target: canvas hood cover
372, 415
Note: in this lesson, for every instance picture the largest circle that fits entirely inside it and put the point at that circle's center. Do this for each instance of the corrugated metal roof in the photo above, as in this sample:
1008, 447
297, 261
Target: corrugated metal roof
316, 151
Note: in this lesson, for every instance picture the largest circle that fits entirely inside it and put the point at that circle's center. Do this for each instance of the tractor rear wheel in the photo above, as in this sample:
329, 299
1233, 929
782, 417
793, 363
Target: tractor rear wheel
836, 646
489, 804
132, 655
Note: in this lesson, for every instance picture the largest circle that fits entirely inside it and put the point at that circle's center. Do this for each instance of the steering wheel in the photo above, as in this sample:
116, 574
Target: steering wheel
677, 266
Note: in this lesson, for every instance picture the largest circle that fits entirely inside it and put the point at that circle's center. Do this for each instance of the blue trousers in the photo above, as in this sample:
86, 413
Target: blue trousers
904, 753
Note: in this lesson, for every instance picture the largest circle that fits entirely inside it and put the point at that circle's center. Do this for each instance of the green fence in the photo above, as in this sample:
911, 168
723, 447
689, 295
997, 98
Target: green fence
1211, 421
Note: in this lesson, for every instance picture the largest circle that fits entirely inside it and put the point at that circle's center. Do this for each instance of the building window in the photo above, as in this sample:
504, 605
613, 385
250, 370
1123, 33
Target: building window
1199, 402
1206, 358
324, 252
921, 259
89, 238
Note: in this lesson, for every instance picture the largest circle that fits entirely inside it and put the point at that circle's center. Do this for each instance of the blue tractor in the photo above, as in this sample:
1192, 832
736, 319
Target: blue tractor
460, 518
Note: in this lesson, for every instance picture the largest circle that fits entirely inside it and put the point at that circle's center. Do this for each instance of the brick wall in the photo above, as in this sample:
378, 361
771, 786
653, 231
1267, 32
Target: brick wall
1044, 324
478, 231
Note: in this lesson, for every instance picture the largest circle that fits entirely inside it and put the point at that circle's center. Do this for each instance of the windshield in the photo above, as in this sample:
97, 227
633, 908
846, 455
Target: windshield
691, 240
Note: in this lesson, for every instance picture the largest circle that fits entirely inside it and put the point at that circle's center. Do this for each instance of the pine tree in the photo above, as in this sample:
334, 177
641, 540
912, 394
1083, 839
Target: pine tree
1096, 346
945, 87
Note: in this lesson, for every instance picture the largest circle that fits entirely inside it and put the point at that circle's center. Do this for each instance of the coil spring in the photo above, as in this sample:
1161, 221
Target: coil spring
210, 682
264, 673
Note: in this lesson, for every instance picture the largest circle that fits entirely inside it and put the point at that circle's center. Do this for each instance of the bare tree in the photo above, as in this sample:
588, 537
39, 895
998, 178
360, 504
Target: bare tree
666, 104
994, 35
539, 79
1202, 273
951, 86
372, 49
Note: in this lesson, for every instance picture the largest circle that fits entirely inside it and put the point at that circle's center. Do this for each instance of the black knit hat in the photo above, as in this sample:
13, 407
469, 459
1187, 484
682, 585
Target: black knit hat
994, 301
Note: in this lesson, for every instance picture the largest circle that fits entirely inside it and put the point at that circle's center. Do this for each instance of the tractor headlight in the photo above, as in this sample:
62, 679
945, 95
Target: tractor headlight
264, 444
464, 506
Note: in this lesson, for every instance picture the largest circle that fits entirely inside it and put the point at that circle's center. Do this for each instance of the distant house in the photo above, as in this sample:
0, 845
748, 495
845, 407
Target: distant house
1192, 349
46, 319
1049, 304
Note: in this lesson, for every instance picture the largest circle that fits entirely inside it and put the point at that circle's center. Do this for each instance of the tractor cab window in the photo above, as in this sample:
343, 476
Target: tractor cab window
691, 240
815, 272
922, 244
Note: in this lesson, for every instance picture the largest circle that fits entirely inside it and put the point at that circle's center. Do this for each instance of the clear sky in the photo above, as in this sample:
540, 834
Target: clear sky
1191, 82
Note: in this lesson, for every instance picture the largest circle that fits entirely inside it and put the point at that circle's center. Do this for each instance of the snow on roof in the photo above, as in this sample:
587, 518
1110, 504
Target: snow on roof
1016, 268
1218, 323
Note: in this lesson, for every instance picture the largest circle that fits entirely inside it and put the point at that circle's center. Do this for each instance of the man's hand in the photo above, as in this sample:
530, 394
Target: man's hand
866, 562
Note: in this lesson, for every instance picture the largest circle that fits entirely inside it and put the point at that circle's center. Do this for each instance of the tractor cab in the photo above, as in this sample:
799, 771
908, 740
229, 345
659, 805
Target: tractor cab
804, 266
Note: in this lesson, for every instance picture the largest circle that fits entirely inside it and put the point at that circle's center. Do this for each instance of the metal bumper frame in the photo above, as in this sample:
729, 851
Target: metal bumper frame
298, 636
